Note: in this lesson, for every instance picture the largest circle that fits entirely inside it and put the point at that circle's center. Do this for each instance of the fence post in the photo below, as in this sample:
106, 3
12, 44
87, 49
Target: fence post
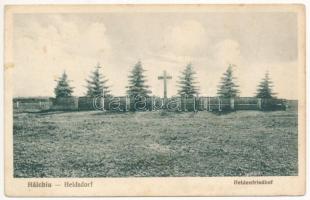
152, 103
232, 103
259, 103
102, 101
17, 104
205, 103
219, 103
126, 107
200, 104
209, 100
163, 104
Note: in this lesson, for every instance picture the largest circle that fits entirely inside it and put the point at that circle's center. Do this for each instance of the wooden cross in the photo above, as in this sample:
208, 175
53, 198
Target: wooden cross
165, 77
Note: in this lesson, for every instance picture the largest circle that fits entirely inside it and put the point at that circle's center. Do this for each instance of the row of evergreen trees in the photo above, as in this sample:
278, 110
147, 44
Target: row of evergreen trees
97, 84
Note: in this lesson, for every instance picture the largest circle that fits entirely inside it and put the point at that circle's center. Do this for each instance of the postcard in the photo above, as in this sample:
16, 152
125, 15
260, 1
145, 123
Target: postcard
155, 100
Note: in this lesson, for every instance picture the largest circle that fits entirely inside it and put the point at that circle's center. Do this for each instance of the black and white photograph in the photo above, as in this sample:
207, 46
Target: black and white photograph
136, 92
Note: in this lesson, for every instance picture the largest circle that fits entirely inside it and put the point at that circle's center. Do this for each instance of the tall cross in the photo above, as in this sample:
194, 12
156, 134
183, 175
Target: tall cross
165, 77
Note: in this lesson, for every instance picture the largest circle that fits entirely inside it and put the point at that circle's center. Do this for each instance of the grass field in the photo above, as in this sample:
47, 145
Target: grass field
97, 144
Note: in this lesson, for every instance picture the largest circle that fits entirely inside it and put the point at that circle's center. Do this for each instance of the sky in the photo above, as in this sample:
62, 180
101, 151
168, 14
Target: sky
45, 45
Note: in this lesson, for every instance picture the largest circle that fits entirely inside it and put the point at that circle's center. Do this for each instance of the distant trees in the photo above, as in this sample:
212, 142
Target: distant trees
63, 88
264, 89
137, 82
96, 84
227, 87
187, 83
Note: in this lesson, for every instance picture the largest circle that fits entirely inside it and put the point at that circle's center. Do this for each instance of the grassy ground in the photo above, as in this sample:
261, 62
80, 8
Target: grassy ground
95, 144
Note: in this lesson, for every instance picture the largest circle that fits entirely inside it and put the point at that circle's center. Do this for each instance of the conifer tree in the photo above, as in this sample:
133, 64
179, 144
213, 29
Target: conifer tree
62, 88
264, 89
227, 87
187, 83
96, 84
137, 82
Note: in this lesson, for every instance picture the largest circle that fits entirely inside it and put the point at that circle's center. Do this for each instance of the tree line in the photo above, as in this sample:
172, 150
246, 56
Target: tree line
187, 84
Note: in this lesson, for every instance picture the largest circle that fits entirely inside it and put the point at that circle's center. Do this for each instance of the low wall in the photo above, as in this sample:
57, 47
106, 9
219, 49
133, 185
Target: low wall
123, 104
247, 103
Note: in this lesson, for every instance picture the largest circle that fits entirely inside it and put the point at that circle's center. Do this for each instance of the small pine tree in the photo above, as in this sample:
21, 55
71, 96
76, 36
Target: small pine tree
187, 84
264, 89
137, 85
96, 84
62, 88
227, 87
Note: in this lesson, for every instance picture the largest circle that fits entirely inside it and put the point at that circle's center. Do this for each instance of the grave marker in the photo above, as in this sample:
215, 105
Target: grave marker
165, 77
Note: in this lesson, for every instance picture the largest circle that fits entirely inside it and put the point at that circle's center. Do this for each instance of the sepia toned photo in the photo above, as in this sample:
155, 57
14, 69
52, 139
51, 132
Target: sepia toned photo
155, 100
